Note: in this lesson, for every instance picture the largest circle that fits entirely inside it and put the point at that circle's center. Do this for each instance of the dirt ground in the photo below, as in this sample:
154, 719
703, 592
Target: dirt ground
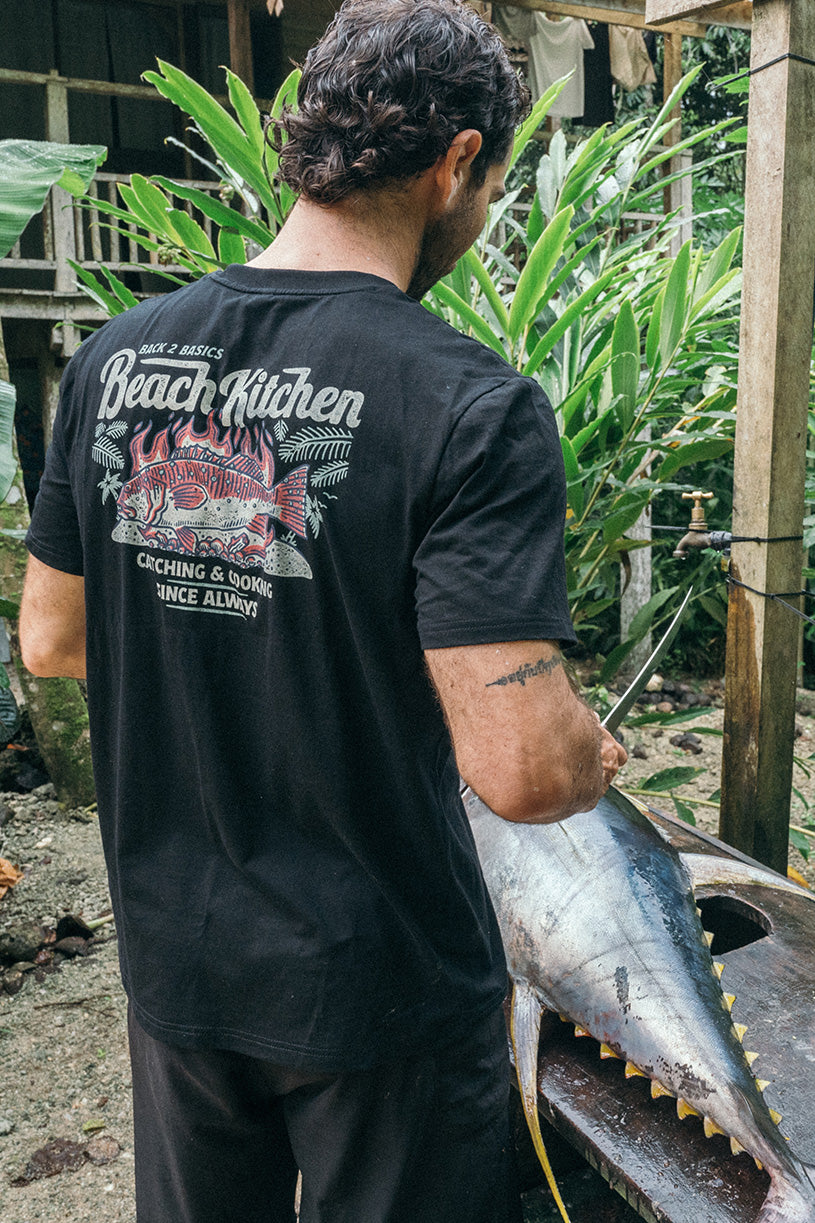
63, 1055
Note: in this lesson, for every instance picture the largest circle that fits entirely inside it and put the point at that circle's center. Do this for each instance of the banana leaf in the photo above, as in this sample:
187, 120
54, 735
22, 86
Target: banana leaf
28, 171
8, 466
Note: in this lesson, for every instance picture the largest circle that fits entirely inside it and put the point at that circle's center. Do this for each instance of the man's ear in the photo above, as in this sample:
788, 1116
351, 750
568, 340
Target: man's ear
452, 170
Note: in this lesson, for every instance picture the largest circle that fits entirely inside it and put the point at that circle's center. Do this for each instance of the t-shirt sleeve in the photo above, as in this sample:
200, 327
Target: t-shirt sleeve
54, 536
586, 40
491, 565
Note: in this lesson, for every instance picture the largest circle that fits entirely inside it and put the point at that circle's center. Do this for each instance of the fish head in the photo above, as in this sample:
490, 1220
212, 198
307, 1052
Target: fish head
133, 501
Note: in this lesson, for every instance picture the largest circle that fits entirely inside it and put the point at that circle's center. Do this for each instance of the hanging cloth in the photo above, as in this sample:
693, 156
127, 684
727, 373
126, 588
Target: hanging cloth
556, 49
516, 24
599, 100
630, 62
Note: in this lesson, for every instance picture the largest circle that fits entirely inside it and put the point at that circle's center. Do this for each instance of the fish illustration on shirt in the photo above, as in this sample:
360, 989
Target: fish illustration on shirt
206, 499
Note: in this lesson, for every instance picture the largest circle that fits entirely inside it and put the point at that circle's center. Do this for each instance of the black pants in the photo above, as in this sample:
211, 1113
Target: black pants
221, 1136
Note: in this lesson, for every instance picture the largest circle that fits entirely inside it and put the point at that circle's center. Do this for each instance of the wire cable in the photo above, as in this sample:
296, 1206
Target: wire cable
801, 59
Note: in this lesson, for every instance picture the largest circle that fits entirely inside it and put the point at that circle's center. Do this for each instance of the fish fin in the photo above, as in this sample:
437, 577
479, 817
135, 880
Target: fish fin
188, 496
658, 1090
607, 1051
683, 1109
729, 999
259, 525
632, 1071
751, 1057
776, 1116
710, 1127
714, 869
762, 1084
245, 464
791, 1198
709, 937
290, 500
736, 1147
740, 1030
718, 969
525, 1033
578, 1031
186, 537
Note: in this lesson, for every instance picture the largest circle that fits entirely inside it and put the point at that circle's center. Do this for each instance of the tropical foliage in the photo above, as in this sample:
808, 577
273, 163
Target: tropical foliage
636, 348
165, 217
28, 171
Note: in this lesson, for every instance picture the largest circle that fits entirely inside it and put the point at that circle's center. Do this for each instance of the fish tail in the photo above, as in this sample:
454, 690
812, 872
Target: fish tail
525, 1025
791, 1198
289, 499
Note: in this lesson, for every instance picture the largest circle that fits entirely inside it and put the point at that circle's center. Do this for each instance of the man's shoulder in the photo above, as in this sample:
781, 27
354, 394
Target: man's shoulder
468, 358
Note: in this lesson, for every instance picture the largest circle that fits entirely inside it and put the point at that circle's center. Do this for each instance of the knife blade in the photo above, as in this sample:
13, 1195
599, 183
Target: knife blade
636, 688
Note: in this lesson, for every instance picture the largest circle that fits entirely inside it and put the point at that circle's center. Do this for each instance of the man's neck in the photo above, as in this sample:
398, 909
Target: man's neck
353, 235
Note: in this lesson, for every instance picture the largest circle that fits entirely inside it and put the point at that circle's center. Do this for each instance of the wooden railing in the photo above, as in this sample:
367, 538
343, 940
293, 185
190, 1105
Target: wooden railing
66, 229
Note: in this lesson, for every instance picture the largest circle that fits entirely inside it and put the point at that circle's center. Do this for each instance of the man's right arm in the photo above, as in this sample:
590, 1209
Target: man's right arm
524, 740
52, 621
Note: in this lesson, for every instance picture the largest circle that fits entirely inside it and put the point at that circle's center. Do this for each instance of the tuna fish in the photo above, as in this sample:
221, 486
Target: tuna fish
600, 925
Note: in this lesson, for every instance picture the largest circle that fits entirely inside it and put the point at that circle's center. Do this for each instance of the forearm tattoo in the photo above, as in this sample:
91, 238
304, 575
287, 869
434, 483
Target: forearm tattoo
544, 666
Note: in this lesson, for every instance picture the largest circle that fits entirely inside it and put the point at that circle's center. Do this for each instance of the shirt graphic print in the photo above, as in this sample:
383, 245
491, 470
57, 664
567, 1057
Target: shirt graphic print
214, 491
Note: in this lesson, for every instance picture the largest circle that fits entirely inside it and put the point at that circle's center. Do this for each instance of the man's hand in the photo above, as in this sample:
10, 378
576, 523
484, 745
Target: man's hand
613, 756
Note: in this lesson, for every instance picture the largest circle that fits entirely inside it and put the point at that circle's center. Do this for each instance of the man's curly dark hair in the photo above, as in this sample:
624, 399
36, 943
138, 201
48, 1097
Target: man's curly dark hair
387, 88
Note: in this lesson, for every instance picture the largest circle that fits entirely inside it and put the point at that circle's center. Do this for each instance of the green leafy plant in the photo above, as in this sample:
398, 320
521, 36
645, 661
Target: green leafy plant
28, 171
635, 348
165, 217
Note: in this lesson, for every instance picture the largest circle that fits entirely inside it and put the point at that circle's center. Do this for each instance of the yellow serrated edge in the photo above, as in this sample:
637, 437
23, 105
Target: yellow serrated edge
762, 1084
658, 1090
759, 1164
718, 969
729, 999
710, 1127
683, 1109
607, 1051
631, 1071
740, 1030
709, 937
578, 1031
776, 1116
736, 1147
751, 1057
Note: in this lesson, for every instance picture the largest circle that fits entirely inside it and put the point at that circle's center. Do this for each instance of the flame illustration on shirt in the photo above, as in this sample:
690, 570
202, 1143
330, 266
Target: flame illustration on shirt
195, 494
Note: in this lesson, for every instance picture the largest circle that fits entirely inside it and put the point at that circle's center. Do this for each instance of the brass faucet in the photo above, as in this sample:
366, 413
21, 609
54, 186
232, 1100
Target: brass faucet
697, 535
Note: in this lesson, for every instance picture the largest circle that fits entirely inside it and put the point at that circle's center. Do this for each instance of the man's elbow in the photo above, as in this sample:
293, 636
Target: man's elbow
42, 659
522, 799
36, 660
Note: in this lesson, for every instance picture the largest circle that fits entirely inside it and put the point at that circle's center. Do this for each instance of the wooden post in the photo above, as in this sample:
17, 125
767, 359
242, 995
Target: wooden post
776, 348
240, 43
62, 213
675, 194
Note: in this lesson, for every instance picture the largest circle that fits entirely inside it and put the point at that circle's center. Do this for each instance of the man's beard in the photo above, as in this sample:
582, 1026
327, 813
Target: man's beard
443, 243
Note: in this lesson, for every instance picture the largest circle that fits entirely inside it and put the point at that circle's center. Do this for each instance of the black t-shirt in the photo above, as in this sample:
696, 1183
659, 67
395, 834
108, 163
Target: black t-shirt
280, 488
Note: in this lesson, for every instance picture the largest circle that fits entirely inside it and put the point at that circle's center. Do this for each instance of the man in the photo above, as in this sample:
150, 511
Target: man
290, 498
